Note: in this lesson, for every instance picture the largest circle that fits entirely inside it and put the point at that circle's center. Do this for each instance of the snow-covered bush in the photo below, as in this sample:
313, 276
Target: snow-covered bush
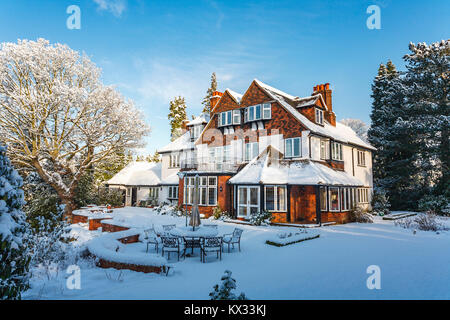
423, 221
112, 197
14, 260
380, 202
225, 290
167, 209
219, 213
262, 218
358, 214
439, 205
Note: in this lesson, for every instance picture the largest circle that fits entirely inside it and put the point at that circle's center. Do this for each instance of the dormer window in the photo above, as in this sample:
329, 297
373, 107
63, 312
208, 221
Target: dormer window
196, 131
225, 118
319, 116
336, 151
258, 112
237, 116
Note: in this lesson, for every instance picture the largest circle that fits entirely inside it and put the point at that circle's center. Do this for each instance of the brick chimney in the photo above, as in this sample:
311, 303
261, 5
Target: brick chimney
184, 126
326, 92
214, 99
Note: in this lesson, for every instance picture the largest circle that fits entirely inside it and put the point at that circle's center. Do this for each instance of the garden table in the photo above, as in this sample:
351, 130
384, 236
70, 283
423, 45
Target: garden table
194, 235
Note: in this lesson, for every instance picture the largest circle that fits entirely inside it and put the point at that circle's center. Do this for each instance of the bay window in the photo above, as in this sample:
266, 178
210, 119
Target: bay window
292, 147
267, 111
336, 151
276, 198
226, 118
258, 112
236, 116
334, 199
363, 195
323, 199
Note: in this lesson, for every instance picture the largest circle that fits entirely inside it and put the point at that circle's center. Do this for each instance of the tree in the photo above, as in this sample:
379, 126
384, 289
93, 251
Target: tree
155, 158
177, 114
224, 291
110, 166
358, 126
57, 117
14, 260
209, 93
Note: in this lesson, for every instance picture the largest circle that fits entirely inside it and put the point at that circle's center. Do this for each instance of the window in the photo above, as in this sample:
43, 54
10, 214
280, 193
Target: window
227, 153
225, 118
361, 158
323, 149
275, 198
154, 192
345, 199
292, 147
196, 131
207, 187
323, 199
363, 195
336, 151
334, 199
319, 116
236, 116
258, 112
174, 161
173, 192
251, 150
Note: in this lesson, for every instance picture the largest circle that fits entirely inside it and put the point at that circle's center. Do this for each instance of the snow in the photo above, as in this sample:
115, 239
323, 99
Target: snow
286, 238
201, 119
263, 169
140, 173
173, 179
236, 96
413, 266
182, 143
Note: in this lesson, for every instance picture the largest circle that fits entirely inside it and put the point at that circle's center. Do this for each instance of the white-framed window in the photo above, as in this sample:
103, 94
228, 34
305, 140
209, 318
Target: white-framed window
212, 191
319, 116
363, 195
196, 131
292, 147
251, 150
323, 199
336, 151
153, 192
236, 116
361, 158
323, 149
275, 198
227, 153
174, 160
207, 190
226, 118
258, 112
333, 194
173, 192
345, 199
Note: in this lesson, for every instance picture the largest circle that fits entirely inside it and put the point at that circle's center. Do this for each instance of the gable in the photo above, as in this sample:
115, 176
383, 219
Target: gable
225, 103
254, 95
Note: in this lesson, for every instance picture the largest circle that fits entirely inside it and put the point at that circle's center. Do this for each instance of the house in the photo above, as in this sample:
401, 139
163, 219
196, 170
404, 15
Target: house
139, 180
267, 150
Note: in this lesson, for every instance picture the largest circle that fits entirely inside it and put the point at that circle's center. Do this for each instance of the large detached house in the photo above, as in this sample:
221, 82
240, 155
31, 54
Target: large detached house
267, 150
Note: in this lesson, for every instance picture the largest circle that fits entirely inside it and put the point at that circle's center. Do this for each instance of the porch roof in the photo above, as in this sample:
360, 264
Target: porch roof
267, 168
141, 173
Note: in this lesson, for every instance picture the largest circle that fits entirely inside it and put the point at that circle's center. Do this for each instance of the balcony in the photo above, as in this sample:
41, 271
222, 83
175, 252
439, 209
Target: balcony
206, 165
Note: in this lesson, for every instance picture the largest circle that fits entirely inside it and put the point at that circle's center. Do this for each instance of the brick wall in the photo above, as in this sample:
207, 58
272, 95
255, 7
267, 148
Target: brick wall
79, 219
117, 265
107, 227
94, 224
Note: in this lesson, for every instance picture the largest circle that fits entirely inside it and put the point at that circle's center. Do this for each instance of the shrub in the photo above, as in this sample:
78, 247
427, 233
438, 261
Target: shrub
224, 291
358, 214
113, 197
380, 202
261, 218
423, 221
219, 213
439, 205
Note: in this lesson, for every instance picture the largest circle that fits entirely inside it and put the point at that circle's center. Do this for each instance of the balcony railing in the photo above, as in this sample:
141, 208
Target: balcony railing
205, 164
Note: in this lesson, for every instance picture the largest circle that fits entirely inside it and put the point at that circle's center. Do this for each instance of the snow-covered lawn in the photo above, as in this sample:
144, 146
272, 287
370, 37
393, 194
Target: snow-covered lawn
413, 266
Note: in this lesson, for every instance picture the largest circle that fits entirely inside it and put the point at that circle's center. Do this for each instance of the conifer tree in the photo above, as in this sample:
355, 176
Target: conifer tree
14, 260
225, 290
209, 93
177, 113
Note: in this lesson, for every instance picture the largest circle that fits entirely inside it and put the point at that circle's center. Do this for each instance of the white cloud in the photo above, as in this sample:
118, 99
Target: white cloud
116, 7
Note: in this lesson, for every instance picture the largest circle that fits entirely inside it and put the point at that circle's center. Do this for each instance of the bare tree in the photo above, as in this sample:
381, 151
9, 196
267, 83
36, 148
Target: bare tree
359, 126
56, 116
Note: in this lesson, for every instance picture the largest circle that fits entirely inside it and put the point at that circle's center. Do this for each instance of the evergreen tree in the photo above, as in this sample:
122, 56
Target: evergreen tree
209, 93
14, 260
225, 290
153, 158
177, 113
111, 165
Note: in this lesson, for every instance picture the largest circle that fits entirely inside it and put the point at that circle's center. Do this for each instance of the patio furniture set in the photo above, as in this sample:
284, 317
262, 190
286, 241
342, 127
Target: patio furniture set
178, 240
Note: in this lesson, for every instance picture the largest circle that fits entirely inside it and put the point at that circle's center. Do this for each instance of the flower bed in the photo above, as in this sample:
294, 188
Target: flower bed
111, 251
286, 238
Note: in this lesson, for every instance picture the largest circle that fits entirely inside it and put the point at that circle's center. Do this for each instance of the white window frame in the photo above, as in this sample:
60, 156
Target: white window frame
319, 116
363, 195
227, 116
336, 151
251, 146
265, 112
174, 160
361, 158
266, 107
248, 205
237, 116
276, 205
292, 155
323, 149
326, 198
338, 197
173, 193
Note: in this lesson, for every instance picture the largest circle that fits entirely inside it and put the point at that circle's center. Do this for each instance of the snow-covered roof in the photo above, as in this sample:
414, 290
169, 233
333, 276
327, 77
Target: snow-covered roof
236, 96
267, 168
170, 180
307, 101
182, 143
202, 118
140, 173
340, 133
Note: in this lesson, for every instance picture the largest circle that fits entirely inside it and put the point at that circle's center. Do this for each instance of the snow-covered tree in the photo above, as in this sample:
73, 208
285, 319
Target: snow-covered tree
153, 158
109, 166
209, 93
177, 114
359, 126
14, 260
226, 288
57, 117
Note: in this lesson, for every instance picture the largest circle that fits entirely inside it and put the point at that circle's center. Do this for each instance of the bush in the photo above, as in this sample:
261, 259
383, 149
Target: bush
113, 197
219, 213
439, 205
224, 291
380, 202
358, 214
423, 221
261, 218
167, 209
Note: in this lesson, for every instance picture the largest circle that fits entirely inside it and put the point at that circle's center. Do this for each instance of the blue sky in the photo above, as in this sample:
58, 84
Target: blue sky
155, 50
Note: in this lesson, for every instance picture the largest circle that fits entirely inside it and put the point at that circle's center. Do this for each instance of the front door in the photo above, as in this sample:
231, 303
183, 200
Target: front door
248, 201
